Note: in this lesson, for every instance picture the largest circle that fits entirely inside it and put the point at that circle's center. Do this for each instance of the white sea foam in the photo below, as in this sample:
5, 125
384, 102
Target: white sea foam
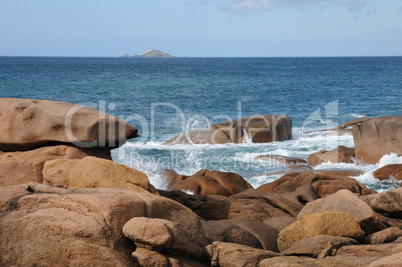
354, 115
153, 158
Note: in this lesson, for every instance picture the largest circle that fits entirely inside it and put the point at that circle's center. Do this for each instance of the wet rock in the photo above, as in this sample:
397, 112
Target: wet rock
322, 223
389, 171
27, 166
377, 137
28, 124
261, 129
91, 172
341, 154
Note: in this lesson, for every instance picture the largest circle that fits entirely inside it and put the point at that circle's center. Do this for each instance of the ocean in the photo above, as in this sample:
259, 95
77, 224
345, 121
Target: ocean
163, 97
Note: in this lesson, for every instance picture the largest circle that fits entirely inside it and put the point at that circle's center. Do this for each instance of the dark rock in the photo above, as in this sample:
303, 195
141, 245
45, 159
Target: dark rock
250, 203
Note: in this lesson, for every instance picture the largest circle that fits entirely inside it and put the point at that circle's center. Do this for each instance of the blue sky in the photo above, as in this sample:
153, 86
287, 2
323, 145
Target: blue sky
201, 28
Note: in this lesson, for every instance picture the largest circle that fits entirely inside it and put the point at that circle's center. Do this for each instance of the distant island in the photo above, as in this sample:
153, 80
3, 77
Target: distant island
151, 53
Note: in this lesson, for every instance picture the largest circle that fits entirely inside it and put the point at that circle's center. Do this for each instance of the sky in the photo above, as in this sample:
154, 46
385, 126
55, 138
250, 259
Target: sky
201, 28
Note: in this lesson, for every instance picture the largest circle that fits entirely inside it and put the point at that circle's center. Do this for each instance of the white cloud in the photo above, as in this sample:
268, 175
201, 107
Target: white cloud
241, 6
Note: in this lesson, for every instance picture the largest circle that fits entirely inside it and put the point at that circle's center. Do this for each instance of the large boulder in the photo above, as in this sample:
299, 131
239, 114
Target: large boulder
341, 154
323, 184
91, 172
261, 129
377, 137
322, 223
346, 201
27, 166
209, 182
250, 203
389, 171
48, 226
29, 124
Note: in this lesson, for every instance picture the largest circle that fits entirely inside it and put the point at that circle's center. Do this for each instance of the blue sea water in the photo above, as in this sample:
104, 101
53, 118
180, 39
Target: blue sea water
164, 96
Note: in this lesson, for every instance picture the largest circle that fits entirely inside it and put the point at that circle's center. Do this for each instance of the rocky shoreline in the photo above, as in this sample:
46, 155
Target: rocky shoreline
62, 204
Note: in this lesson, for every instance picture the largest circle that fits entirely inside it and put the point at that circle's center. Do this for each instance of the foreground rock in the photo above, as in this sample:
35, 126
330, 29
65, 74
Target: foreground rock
27, 166
385, 236
323, 185
91, 172
322, 223
346, 201
250, 203
163, 235
341, 154
47, 226
209, 182
377, 137
29, 124
389, 171
262, 129
314, 246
